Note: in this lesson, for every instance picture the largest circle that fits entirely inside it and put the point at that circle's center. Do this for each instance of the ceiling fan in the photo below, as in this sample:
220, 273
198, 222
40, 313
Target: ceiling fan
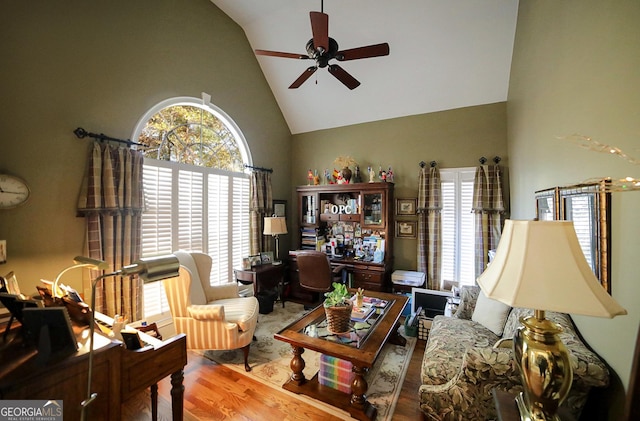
322, 49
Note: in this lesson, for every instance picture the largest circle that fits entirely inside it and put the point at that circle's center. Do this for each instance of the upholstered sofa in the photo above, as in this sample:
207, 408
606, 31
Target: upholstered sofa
464, 360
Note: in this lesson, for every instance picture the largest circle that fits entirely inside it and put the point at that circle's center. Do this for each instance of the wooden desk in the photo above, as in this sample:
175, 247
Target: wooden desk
118, 373
263, 277
507, 408
22, 376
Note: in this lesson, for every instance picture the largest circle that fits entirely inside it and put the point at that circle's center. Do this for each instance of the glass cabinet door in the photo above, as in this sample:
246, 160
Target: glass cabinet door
308, 209
373, 209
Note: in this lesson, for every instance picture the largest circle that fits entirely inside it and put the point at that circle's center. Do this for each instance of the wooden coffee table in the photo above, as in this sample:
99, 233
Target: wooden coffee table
360, 346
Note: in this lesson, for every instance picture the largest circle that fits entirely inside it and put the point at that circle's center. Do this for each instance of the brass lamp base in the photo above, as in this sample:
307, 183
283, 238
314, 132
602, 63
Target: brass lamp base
544, 368
525, 414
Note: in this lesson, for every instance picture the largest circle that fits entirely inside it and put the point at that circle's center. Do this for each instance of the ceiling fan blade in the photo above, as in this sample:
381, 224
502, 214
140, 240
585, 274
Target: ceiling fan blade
320, 30
344, 77
303, 77
280, 54
375, 50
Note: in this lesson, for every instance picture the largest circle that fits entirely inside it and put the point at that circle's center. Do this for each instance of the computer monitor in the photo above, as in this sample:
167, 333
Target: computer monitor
433, 302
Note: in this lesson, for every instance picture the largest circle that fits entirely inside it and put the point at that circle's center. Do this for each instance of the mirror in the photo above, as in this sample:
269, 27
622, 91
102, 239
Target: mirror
589, 207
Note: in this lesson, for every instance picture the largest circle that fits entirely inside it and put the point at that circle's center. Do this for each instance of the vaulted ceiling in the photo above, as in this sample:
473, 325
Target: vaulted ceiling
444, 54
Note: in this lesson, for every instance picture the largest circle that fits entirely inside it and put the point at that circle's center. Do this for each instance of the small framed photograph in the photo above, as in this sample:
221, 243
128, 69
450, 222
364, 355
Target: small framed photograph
406, 229
255, 260
406, 206
280, 208
246, 263
266, 257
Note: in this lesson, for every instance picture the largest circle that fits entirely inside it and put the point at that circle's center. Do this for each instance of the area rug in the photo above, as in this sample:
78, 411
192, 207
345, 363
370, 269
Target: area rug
270, 358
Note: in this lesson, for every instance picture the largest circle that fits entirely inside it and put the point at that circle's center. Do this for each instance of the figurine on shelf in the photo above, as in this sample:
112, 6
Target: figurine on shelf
327, 176
390, 175
310, 177
383, 175
372, 175
336, 177
316, 178
357, 178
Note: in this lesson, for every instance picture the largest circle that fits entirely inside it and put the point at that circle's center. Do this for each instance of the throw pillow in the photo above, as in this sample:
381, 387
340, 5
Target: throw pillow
491, 314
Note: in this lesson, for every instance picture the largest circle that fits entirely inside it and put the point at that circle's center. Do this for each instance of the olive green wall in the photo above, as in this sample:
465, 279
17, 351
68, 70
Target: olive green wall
575, 70
454, 138
101, 65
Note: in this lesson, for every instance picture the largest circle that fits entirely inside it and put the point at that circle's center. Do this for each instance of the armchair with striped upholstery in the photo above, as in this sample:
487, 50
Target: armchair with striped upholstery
212, 317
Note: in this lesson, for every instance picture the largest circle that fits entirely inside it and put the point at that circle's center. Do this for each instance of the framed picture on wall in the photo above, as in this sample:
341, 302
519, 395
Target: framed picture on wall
406, 206
280, 208
406, 229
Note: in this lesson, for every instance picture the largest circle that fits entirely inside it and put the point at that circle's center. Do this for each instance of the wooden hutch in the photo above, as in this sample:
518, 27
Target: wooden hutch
359, 217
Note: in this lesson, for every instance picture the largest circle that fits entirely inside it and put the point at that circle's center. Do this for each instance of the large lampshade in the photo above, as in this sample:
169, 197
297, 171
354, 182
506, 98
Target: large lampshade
540, 265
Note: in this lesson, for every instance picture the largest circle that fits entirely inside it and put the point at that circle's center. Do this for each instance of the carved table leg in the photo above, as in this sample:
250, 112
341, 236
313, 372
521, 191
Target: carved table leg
395, 338
359, 386
154, 402
297, 365
177, 395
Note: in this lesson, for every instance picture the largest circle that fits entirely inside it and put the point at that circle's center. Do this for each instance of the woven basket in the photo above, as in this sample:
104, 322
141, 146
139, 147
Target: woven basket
339, 318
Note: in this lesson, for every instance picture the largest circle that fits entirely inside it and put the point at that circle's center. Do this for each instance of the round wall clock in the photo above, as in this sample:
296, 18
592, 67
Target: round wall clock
14, 191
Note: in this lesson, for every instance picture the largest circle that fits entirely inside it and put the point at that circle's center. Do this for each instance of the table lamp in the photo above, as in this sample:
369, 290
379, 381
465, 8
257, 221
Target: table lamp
275, 226
79, 262
540, 265
150, 269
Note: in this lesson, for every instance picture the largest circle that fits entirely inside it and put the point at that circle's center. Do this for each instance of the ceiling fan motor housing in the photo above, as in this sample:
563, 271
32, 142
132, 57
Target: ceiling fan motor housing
322, 57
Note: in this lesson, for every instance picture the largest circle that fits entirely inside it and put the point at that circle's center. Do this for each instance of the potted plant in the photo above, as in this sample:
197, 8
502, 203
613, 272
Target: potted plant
338, 306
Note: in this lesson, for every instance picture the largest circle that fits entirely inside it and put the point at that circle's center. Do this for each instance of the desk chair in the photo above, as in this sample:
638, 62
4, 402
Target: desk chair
315, 273
212, 317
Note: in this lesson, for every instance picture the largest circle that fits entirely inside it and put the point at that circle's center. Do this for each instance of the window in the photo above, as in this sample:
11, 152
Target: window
458, 233
196, 190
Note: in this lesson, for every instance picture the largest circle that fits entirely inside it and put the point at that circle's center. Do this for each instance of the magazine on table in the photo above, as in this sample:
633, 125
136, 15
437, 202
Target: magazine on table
372, 302
360, 314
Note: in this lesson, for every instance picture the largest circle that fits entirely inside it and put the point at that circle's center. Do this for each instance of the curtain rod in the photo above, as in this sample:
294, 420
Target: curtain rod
82, 133
258, 168
496, 160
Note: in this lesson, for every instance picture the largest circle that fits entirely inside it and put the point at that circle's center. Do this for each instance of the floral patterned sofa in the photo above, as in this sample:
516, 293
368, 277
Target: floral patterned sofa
463, 361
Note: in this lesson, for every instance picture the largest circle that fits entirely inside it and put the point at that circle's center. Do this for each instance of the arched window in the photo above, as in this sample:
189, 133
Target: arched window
196, 188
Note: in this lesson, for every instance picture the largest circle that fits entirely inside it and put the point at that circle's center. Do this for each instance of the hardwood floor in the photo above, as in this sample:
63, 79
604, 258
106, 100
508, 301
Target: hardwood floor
213, 392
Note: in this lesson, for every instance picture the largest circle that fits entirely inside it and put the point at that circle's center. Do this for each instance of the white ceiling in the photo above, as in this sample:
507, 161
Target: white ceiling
444, 54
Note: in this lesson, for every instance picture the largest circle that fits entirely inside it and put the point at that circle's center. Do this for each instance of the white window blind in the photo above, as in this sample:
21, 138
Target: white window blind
210, 213
458, 237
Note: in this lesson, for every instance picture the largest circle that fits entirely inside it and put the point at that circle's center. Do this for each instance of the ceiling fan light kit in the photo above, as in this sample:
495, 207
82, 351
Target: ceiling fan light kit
322, 49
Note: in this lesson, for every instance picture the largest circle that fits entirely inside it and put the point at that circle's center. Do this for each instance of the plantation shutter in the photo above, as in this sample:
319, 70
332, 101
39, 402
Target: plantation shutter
210, 213
457, 225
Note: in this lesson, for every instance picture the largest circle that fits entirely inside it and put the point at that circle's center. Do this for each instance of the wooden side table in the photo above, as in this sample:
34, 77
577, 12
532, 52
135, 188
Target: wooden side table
507, 408
263, 277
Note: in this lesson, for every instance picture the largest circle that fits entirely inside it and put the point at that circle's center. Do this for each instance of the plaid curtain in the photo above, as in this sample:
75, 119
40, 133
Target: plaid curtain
488, 207
261, 206
430, 225
111, 202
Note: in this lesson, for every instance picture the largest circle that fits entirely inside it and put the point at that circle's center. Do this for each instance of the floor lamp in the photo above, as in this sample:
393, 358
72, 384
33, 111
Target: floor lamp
149, 270
275, 226
540, 265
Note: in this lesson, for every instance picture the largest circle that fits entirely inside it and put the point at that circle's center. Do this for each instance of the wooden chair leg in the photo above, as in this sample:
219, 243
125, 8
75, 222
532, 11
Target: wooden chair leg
245, 350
